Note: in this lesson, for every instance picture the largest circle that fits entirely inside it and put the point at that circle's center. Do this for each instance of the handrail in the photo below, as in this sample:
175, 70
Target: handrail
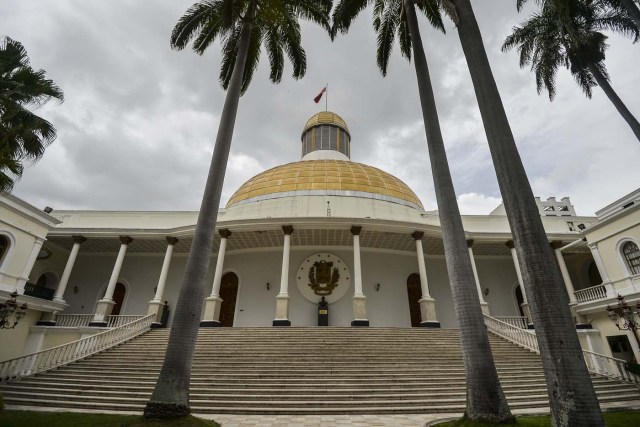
597, 363
119, 320
517, 321
76, 320
54, 357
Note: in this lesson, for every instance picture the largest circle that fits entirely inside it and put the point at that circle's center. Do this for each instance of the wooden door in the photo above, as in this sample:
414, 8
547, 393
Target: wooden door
228, 294
118, 298
414, 292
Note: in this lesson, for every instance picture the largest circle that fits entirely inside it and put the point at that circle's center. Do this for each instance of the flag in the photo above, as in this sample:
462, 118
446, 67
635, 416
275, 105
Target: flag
319, 96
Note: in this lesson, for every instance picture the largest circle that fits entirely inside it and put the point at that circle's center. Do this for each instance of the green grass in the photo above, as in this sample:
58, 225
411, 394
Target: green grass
612, 419
68, 419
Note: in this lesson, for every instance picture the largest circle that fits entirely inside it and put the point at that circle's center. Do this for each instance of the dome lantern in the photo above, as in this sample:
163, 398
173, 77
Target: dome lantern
326, 136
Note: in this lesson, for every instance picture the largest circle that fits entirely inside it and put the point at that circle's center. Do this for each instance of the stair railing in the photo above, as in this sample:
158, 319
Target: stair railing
597, 363
54, 357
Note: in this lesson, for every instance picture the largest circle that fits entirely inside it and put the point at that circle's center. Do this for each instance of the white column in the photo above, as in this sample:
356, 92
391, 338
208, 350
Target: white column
282, 299
359, 300
424, 285
24, 277
164, 272
484, 304
213, 302
565, 273
115, 273
516, 264
64, 280
598, 259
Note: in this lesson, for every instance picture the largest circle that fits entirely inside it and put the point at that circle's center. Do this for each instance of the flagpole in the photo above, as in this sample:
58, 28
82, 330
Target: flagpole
326, 98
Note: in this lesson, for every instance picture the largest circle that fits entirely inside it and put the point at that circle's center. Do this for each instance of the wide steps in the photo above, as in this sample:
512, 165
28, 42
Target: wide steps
298, 371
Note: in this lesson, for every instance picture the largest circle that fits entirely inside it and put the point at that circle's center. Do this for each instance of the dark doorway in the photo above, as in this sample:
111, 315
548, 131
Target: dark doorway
520, 300
621, 348
118, 298
414, 291
594, 274
228, 294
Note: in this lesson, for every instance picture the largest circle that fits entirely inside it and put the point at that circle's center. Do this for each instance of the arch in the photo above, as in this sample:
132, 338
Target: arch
630, 253
7, 246
414, 293
119, 294
48, 279
519, 298
229, 294
103, 290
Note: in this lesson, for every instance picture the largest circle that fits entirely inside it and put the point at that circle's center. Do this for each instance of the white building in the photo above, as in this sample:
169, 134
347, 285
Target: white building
323, 226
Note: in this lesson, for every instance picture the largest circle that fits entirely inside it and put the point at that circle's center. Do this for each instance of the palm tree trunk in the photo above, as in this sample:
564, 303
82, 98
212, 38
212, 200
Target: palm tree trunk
634, 11
170, 398
615, 100
485, 399
572, 397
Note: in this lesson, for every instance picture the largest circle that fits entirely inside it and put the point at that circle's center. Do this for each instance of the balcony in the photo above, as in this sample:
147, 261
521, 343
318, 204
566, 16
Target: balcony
33, 290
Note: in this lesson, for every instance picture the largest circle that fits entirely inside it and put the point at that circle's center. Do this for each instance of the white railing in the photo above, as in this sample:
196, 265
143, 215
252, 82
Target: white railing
77, 320
76, 350
117, 321
609, 367
596, 363
593, 293
73, 320
522, 337
517, 321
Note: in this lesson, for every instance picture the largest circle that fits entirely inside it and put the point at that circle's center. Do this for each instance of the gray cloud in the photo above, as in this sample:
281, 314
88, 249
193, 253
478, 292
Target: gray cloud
139, 121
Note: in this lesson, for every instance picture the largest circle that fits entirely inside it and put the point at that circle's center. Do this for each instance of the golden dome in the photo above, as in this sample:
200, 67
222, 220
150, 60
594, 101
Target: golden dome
326, 175
325, 118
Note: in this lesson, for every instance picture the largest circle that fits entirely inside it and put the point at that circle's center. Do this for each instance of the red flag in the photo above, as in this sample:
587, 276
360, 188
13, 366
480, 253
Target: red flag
319, 96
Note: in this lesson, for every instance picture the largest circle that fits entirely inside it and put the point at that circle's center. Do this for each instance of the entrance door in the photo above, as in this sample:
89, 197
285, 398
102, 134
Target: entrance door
118, 298
228, 294
520, 300
414, 292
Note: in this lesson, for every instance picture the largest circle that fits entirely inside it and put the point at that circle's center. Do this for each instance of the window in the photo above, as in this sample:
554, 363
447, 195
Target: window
4, 247
631, 255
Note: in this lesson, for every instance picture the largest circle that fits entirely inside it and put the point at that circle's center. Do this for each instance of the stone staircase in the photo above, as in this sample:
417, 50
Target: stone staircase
298, 371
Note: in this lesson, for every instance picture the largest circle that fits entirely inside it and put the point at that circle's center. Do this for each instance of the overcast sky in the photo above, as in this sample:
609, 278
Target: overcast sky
137, 127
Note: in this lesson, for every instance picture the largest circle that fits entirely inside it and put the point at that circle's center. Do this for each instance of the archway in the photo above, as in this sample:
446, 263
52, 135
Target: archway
228, 294
520, 300
118, 297
594, 275
414, 292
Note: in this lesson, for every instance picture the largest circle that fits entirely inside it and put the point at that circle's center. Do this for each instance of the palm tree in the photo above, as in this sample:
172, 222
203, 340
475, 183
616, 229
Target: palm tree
23, 135
485, 397
572, 397
243, 26
628, 7
550, 39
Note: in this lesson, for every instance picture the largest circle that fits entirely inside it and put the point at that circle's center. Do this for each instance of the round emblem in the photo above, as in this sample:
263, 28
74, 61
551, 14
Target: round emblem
323, 275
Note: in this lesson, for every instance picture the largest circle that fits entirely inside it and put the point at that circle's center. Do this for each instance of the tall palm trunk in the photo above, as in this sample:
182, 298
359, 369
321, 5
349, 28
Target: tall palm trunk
170, 398
485, 398
571, 394
634, 11
615, 100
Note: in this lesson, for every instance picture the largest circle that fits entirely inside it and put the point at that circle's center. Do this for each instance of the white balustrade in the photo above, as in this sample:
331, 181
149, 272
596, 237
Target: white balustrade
63, 354
117, 321
517, 321
596, 363
73, 320
593, 293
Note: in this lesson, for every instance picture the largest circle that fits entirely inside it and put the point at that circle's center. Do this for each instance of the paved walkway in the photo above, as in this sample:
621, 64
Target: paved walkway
327, 420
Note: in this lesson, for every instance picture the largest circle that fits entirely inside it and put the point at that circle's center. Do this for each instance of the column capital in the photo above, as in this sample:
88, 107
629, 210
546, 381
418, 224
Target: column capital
78, 239
510, 244
225, 233
287, 229
125, 240
469, 243
417, 235
356, 229
172, 240
556, 244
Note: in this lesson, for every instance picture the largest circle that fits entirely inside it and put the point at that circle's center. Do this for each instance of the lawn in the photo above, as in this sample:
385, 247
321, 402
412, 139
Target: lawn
67, 419
612, 419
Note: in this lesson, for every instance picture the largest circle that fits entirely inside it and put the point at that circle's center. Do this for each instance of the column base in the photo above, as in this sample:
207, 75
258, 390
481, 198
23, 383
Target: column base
46, 323
210, 324
428, 310
156, 325
485, 308
211, 310
281, 322
430, 324
99, 324
360, 322
584, 326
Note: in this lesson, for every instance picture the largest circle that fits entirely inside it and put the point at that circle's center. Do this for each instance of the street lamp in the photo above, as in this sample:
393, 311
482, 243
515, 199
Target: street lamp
622, 315
11, 313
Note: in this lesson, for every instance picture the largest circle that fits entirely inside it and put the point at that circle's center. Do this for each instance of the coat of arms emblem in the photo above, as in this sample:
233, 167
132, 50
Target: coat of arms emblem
322, 278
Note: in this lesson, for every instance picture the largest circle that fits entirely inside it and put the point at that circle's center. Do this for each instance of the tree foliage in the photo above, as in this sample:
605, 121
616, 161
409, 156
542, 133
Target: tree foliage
23, 135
